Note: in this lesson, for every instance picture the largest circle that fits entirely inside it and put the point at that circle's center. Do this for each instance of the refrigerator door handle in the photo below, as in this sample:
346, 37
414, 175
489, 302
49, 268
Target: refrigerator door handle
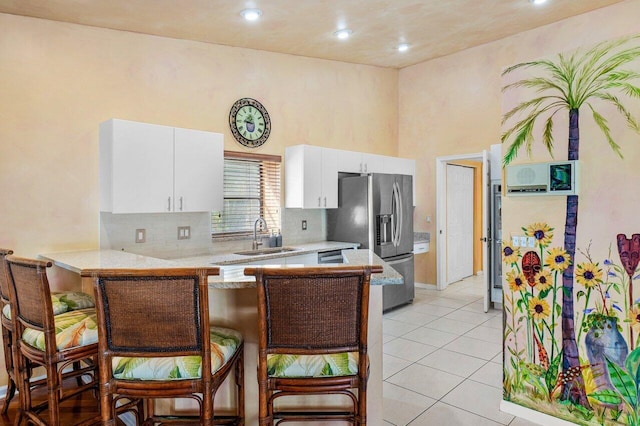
397, 210
400, 224
394, 207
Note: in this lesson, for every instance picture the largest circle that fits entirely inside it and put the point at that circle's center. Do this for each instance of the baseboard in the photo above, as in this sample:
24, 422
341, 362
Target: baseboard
532, 415
424, 285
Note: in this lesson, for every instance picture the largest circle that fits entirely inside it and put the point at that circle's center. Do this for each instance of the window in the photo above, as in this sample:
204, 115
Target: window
251, 190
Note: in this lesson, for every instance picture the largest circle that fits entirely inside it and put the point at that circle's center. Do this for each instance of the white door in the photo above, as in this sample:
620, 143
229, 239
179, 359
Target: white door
486, 232
459, 199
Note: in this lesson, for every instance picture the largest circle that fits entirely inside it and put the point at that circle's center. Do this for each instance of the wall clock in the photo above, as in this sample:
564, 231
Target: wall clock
250, 123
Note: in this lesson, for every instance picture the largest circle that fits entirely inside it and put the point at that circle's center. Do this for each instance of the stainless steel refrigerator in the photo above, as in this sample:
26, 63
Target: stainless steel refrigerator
377, 211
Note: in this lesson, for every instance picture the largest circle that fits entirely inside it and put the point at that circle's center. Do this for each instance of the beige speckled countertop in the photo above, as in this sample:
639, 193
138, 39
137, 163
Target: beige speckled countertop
231, 267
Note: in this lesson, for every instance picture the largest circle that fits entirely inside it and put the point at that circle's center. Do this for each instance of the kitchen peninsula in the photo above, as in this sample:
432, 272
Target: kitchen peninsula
232, 303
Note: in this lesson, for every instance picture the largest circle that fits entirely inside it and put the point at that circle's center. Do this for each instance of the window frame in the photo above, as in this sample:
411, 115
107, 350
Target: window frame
245, 156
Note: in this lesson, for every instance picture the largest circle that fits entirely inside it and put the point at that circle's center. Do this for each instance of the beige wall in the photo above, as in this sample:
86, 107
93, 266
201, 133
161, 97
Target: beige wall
452, 105
60, 80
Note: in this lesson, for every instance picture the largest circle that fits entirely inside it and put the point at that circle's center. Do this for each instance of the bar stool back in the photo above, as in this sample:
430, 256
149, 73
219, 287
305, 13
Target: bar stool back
313, 339
156, 342
62, 302
7, 328
53, 342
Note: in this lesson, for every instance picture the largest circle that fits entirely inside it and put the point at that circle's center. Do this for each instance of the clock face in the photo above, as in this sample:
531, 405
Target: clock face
250, 123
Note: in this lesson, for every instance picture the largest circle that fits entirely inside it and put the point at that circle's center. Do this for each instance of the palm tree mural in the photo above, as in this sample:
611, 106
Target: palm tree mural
583, 79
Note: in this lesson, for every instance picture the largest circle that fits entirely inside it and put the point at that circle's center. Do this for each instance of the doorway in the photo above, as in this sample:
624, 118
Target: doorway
461, 210
480, 234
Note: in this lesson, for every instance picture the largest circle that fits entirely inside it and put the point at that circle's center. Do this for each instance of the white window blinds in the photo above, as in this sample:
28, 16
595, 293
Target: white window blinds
251, 190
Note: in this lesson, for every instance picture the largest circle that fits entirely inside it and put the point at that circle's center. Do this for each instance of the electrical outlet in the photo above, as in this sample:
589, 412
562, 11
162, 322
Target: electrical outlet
304, 225
141, 235
184, 232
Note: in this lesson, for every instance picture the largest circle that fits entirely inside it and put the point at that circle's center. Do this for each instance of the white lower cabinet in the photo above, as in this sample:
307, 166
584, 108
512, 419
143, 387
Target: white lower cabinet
149, 168
307, 259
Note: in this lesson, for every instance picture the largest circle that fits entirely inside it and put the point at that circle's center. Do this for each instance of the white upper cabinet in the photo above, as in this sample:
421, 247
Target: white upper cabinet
147, 168
360, 162
199, 171
311, 177
311, 173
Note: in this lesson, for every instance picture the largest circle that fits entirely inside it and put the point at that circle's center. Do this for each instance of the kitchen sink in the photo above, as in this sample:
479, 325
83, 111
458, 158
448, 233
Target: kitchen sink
271, 250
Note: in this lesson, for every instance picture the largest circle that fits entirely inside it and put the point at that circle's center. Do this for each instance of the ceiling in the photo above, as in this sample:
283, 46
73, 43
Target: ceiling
433, 28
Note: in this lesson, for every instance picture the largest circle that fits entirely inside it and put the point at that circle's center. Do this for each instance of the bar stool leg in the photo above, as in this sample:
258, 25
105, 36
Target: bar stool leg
240, 387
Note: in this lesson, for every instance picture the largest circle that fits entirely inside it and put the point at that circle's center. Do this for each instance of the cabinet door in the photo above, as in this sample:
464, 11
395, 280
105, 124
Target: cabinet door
350, 162
312, 177
308, 259
330, 178
142, 167
374, 163
198, 168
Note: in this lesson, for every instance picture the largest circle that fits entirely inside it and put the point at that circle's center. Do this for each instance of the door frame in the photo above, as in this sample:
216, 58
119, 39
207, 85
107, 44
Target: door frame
441, 212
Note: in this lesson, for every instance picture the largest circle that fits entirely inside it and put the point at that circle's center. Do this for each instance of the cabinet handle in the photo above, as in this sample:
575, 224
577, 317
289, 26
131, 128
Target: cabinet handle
325, 201
319, 198
365, 167
180, 203
361, 168
169, 204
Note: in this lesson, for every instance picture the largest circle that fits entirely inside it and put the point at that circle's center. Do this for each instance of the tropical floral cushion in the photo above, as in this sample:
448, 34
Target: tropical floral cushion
75, 300
224, 343
74, 328
331, 365
63, 301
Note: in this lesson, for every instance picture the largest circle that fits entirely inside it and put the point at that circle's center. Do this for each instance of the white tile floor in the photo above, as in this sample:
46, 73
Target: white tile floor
442, 361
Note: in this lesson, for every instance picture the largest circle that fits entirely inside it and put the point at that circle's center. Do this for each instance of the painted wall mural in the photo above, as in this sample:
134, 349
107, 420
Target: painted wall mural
572, 317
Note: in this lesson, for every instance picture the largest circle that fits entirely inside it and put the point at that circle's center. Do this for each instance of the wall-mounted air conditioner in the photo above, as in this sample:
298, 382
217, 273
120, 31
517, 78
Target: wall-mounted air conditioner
555, 178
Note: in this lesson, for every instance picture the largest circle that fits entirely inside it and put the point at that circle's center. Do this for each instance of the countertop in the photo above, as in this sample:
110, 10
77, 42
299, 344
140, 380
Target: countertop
236, 259
421, 237
231, 272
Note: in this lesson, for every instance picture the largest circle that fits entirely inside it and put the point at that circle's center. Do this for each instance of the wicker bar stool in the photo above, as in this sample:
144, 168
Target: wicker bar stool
155, 341
313, 339
62, 302
53, 342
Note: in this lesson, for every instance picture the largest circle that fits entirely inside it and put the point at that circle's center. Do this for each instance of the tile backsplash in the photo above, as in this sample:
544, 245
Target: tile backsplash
118, 232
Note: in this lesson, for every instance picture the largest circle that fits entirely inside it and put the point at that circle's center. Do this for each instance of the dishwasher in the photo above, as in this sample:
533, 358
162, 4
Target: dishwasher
333, 256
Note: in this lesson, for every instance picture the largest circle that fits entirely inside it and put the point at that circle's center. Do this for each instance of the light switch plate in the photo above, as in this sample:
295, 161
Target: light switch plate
141, 235
515, 241
531, 242
523, 241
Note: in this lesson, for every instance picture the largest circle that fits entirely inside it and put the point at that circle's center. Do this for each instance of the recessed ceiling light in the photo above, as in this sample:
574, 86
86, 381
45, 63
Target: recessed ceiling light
403, 47
251, 14
343, 34
537, 1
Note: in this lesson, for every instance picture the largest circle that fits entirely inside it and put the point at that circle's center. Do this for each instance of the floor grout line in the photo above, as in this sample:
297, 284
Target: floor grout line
459, 292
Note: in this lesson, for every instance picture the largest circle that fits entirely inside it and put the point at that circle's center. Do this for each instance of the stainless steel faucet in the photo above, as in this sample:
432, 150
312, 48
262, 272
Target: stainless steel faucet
257, 243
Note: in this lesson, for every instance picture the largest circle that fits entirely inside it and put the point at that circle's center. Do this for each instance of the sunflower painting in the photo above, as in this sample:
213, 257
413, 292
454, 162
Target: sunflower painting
538, 308
571, 329
533, 305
